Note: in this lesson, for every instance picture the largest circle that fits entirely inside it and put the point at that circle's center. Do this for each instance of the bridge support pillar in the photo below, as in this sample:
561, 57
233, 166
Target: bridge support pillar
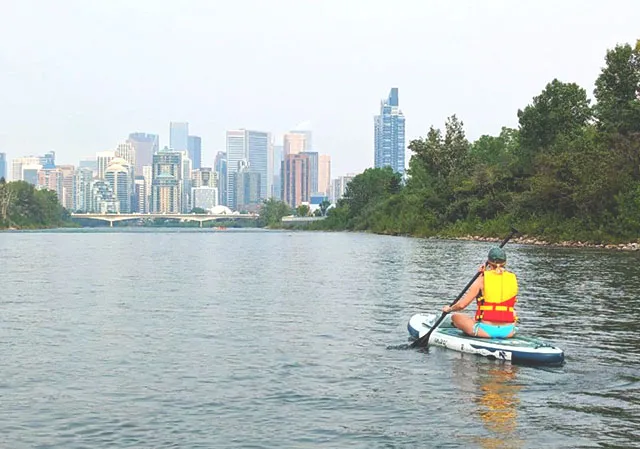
200, 223
111, 223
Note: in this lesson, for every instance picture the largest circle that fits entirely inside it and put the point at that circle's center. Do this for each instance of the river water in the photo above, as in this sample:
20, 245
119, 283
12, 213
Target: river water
189, 338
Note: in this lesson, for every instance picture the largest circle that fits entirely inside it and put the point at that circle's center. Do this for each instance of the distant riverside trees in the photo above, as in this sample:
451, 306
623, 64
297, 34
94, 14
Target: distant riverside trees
22, 206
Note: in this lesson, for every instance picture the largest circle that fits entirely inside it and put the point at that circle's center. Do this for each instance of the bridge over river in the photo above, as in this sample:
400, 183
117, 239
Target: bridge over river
201, 218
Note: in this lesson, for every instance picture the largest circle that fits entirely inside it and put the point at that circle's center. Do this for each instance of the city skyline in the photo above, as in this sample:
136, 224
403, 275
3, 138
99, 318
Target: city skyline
78, 77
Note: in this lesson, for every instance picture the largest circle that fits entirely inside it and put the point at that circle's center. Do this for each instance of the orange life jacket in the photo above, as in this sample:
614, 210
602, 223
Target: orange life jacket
499, 297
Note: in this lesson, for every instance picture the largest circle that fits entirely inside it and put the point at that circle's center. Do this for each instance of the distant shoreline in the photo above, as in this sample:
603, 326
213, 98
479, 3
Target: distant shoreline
524, 240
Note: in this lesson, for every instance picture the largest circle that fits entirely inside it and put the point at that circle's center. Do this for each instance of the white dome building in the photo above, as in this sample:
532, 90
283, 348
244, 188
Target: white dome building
221, 210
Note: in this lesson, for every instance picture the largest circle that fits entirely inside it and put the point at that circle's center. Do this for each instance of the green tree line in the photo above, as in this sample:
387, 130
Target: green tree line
22, 206
570, 171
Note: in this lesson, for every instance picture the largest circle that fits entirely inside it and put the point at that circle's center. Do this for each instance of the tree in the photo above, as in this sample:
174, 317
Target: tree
6, 197
22, 205
618, 90
370, 187
272, 211
198, 210
324, 205
439, 157
561, 109
302, 210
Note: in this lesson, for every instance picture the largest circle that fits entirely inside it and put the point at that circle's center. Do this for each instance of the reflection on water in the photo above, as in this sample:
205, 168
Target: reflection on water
492, 389
497, 406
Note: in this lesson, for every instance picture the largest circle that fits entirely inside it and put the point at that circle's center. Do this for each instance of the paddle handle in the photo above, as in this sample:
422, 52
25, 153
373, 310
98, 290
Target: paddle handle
424, 340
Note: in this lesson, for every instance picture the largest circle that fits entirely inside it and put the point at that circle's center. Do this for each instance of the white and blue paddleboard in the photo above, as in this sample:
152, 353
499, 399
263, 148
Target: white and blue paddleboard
517, 349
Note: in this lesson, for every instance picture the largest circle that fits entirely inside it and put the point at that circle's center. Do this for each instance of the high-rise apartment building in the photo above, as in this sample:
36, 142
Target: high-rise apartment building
179, 136
139, 196
84, 178
389, 134
119, 175
340, 186
204, 197
103, 200
147, 174
186, 182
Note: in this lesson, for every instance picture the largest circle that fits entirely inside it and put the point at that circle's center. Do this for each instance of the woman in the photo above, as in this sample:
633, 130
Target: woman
495, 290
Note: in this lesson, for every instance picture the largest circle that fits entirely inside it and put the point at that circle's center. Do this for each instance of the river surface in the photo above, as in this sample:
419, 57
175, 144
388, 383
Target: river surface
189, 338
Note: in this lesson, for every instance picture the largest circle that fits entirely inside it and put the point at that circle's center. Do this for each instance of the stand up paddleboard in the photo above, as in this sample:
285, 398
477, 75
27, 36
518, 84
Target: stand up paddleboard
525, 350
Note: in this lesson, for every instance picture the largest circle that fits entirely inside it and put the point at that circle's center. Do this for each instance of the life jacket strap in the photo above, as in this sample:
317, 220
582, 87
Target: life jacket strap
497, 308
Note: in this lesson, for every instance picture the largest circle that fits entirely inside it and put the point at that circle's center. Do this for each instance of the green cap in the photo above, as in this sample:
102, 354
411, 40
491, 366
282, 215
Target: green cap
497, 254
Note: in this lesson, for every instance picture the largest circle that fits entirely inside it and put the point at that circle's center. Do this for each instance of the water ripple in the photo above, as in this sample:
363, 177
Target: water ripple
259, 339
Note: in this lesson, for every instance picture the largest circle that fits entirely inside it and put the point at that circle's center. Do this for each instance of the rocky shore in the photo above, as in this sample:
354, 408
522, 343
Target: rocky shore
526, 240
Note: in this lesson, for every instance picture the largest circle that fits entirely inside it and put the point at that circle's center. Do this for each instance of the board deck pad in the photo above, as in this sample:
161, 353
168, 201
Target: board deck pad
519, 348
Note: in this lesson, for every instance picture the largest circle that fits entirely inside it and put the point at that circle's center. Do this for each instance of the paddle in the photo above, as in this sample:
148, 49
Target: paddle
424, 340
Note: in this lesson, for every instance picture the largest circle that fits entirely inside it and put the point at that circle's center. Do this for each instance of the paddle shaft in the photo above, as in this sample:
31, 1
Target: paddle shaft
424, 340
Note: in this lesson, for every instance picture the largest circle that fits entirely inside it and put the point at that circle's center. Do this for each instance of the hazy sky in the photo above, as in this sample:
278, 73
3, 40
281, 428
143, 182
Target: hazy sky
78, 76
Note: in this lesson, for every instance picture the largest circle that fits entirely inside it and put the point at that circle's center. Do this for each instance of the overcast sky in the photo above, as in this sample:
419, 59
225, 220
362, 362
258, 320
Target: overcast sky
77, 76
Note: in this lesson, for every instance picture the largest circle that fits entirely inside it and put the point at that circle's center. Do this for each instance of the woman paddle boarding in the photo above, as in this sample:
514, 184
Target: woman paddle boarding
495, 291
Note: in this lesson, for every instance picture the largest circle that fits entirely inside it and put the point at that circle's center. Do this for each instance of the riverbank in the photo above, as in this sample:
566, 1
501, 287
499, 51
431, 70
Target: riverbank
521, 239
527, 240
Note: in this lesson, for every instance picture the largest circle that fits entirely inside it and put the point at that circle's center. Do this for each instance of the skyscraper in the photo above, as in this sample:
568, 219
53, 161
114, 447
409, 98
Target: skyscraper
18, 165
220, 166
203, 177
245, 147
102, 161
313, 171
127, 152
119, 175
296, 179
145, 145
3, 166
68, 198
295, 142
276, 190
51, 179
84, 177
166, 185
389, 134
179, 136
308, 144
324, 174
48, 160
247, 190
194, 146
